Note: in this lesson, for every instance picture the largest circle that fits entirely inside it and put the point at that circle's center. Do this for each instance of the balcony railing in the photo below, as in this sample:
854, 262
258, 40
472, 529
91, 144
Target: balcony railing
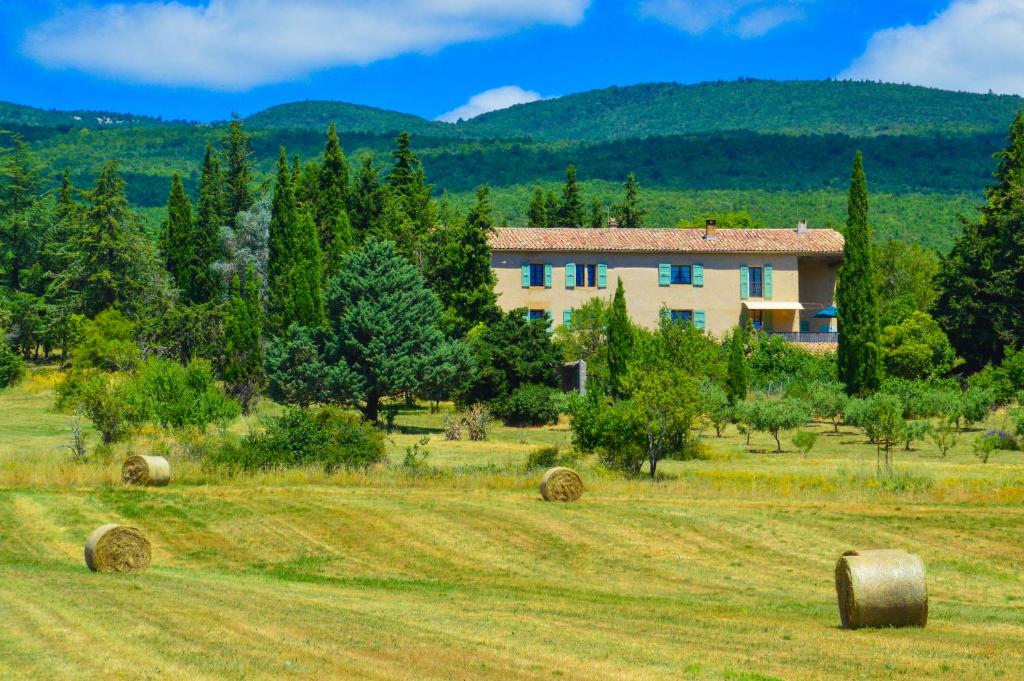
808, 336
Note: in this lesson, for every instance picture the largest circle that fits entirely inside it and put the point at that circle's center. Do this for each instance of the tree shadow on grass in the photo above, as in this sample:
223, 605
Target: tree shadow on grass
416, 430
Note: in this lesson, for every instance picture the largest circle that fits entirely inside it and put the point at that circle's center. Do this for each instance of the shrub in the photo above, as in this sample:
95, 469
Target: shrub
945, 436
855, 413
804, 440
12, 368
974, 405
108, 343
584, 419
530, 405
1017, 416
716, 405
882, 420
108, 401
618, 433
477, 419
915, 430
984, 446
453, 427
917, 348
327, 438
542, 457
177, 396
1002, 440
773, 416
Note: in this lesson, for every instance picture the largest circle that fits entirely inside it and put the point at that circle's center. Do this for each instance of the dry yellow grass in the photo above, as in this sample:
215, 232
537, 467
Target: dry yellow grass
724, 571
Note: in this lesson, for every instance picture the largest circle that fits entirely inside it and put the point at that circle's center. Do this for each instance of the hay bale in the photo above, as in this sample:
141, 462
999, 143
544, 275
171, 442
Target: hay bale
881, 588
117, 548
561, 484
146, 470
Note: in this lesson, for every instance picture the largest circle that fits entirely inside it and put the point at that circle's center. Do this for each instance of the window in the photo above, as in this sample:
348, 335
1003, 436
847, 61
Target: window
536, 314
586, 276
756, 282
757, 317
682, 274
536, 274
682, 316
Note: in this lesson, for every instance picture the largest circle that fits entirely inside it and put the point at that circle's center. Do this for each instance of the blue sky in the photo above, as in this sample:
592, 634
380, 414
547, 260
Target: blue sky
202, 59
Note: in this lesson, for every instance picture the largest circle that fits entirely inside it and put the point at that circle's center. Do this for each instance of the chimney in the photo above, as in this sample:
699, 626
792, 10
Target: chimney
710, 229
801, 226
612, 223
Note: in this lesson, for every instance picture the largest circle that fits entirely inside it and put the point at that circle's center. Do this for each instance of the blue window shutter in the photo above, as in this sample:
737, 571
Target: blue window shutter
768, 282
602, 275
567, 317
664, 274
744, 282
698, 275
526, 276
698, 319
547, 275
570, 275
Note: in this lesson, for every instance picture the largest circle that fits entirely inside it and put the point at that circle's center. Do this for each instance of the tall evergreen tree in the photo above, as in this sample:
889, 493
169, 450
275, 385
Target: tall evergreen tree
21, 218
459, 270
243, 351
859, 354
366, 203
620, 342
238, 178
571, 213
176, 238
596, 213
552, 210
537, 214
332, 221
281, 247
408, 180
982, 278
201, 282
306, 305
631, 213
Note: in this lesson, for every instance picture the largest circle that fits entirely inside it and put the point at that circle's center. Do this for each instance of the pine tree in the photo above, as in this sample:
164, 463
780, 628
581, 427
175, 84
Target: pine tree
571, 212
201, 283
408, 180
620, 342
176, 237
20, 233
243, 351
459, 270
736, 381
281, 247
552, 210
982, 278
332, 221
537, 215
596, 213
631, 213
859, 333
238, 178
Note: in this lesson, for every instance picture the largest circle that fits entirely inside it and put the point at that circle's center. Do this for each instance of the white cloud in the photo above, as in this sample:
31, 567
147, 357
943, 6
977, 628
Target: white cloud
745, 18
239, 44
490, 100
973, 45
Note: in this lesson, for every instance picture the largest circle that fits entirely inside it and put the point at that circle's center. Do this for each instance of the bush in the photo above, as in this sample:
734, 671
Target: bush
108, 343
12, 368
716, 406
177, 396
917, 348
1002, 441
775, 363
945, 436
477, 420
584, 419
915, 430
452, 427
327, 438
530, 405
984, 446
804, 440
108, 401
542, 457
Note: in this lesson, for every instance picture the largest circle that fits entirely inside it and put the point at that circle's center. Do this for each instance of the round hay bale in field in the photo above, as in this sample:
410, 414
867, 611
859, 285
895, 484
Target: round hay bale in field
881, 588
561, 484
117, 548
146, 470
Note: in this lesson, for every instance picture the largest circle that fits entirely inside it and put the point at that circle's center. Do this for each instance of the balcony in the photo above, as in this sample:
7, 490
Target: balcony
807, 336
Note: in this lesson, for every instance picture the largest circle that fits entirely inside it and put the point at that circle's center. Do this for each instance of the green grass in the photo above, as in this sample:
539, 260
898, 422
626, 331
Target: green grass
721, 570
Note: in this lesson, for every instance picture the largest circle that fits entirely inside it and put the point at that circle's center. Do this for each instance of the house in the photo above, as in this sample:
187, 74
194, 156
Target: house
779, 279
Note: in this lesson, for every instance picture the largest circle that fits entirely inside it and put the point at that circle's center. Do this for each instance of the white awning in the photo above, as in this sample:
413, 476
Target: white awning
771, 305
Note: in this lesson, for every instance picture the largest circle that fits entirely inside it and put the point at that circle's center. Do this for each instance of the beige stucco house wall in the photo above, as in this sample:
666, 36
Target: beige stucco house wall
803, 278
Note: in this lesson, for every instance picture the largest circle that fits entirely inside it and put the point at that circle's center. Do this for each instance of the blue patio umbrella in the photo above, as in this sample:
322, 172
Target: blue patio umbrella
828, 313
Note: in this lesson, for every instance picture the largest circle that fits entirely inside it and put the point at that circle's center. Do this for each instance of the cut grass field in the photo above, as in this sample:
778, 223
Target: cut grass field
722, 570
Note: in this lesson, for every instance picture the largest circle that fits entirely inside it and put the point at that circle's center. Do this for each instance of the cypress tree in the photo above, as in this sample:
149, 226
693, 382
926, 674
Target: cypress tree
238, 178
537, 214
460, 272
982, 278
620, 342
408, 180
631, 213
332, 221
552, 210
202, 284
280, 247
859, 333
305, 302
176, 237
243, 351
571, 213
596, 213
736, 381
366, 203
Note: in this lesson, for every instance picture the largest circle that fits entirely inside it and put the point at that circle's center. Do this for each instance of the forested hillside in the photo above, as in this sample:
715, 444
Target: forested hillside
778, 150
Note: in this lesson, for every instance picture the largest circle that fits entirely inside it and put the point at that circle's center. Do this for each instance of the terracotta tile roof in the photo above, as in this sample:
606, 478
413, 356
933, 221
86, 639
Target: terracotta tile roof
667, 240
